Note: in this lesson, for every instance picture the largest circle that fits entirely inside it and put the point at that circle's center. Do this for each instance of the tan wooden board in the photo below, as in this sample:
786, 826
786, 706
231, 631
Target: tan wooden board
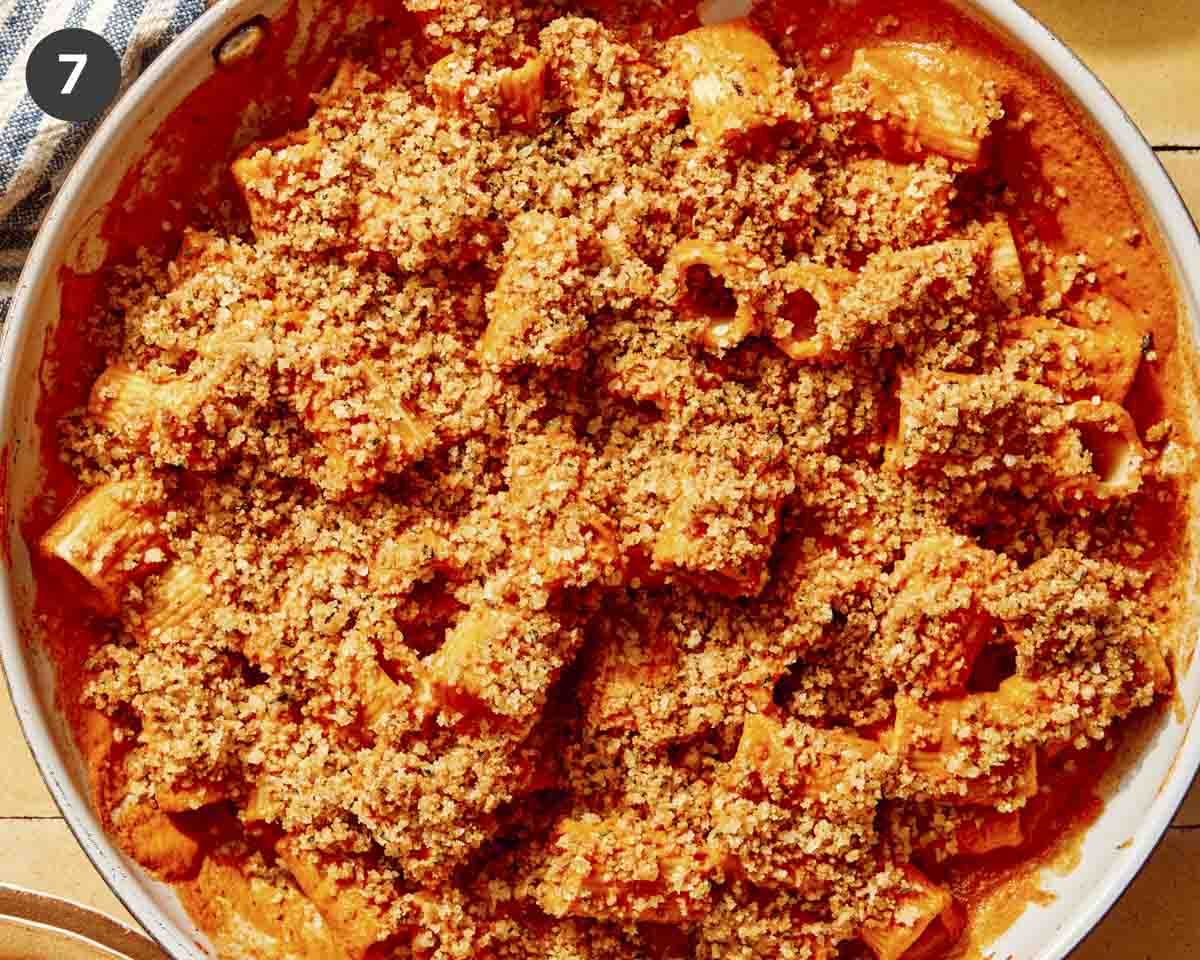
1146, 51
43, 855
1184, 168
22, 793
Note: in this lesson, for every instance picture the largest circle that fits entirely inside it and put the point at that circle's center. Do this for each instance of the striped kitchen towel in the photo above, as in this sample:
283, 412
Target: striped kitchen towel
36, 151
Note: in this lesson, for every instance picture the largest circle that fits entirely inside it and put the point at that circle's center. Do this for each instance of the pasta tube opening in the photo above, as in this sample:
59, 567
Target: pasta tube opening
810, 294
1108, 436
711, 288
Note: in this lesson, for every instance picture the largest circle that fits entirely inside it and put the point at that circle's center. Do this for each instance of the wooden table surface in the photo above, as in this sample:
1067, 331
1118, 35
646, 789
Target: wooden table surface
1148, 52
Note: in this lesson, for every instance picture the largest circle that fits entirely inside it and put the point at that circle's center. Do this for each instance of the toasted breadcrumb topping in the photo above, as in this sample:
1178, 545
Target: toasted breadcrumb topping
522, 597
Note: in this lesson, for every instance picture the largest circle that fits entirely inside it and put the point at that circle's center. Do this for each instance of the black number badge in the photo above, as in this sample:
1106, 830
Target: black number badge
73, 74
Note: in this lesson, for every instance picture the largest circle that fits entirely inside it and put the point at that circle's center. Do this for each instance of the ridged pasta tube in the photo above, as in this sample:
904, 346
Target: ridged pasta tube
111, 537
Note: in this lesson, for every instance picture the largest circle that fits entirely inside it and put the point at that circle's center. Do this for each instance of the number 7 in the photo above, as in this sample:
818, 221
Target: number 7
80, 61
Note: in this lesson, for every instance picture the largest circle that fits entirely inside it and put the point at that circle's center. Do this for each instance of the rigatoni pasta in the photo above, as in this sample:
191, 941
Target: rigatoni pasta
928, 97
737, 87
111, 537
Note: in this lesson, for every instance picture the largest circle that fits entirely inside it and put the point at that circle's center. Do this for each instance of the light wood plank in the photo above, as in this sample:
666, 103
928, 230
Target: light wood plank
1184, 168
22, 793
43, 855
1146, 51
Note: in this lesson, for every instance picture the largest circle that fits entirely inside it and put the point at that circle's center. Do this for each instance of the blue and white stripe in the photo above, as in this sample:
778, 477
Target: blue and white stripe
36, 151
